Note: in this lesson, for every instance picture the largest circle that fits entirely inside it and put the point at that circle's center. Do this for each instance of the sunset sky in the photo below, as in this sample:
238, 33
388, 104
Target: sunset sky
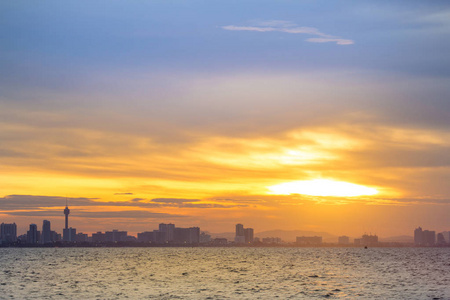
299, 115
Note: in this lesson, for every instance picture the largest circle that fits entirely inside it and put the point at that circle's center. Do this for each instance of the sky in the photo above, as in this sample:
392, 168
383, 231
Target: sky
327, 116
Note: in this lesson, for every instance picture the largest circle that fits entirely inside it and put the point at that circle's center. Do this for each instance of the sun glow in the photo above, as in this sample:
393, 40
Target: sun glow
322, 187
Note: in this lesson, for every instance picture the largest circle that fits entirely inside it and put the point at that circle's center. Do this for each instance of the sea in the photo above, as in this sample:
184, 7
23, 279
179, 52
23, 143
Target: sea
224, 273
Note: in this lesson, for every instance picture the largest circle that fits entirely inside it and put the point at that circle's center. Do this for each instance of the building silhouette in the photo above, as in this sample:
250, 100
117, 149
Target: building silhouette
33, 234
440, 239
66, 213
343, 240
418, 236
424, 237
220, 241
240, 230
69, 234
271, 240
189, 235
116, 236
98, 237
367, 240
309, 240
204, 238
243, 235
169, 232
81, 237
429, 237
155, 236
110, 236
55, 237
46, 235
145, 237
8, 233
248, 234
446, 235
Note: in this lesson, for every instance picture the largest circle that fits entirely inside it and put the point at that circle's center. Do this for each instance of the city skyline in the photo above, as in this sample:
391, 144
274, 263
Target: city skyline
168, 233
306, 115
58, 218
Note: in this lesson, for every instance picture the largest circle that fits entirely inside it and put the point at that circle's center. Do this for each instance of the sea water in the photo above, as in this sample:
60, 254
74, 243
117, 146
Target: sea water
224, 273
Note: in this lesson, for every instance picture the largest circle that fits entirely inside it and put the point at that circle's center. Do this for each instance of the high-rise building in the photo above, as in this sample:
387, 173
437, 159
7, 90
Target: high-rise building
240, 234
169, 231
240, 230
418, 236
440, 239
243, 235
46, 235
446, 235
429, 237
32, 234
424, 237
8, 233
248, 234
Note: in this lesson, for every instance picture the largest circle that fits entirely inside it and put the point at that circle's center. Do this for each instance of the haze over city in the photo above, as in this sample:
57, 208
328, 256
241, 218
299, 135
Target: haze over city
311, 115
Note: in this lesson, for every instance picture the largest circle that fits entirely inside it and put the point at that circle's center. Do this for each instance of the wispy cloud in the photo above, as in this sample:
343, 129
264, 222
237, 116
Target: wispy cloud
327, 40
289, 27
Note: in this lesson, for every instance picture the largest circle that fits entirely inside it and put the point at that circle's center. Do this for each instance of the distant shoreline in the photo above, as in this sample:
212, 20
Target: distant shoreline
150, 245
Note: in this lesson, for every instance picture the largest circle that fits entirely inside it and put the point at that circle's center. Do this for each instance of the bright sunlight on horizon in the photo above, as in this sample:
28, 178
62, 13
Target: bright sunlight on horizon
322, 187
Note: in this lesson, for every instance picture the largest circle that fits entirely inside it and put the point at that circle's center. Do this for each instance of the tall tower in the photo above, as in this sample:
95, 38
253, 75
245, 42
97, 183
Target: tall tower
67, 212
68, 233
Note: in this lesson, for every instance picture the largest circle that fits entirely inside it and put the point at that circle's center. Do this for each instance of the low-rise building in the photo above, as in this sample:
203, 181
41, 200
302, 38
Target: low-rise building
271, 240
309, 240
343, 240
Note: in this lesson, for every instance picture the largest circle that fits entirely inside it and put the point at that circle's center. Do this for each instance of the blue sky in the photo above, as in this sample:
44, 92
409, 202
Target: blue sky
395, 36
